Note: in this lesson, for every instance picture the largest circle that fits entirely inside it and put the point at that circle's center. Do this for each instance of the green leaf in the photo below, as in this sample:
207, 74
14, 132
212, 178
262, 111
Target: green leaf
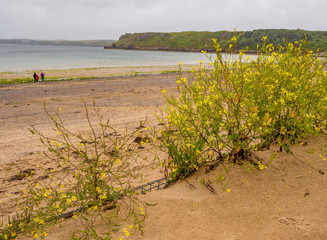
287, 148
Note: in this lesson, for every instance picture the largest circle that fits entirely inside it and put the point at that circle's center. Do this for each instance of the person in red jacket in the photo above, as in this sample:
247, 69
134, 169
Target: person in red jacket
36, 78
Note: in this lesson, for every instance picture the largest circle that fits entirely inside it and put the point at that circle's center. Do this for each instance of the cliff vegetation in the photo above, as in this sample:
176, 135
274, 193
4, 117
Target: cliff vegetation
197, 41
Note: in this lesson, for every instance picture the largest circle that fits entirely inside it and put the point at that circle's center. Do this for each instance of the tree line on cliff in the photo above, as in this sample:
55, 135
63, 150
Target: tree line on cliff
197, 41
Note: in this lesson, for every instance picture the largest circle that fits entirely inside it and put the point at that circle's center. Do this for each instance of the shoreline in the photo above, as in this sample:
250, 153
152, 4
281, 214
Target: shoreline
26, 76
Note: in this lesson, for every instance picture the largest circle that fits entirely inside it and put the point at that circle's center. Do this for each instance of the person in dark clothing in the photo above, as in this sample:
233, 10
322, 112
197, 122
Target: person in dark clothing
34, 76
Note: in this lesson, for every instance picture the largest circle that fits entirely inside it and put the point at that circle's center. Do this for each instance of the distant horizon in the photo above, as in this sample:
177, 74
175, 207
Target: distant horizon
72, 40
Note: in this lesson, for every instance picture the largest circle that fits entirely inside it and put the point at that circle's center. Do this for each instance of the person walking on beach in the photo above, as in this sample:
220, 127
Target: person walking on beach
34, 76
42, 76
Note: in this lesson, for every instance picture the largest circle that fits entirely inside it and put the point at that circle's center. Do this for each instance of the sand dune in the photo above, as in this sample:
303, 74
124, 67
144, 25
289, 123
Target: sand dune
287, 200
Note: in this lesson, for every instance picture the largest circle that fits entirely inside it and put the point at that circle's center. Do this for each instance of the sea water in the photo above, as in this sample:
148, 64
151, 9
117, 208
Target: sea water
40, 57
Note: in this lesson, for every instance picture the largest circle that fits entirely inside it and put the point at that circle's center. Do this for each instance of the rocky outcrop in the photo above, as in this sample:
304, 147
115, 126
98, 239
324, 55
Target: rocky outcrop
131, 47
127, 35
144, 36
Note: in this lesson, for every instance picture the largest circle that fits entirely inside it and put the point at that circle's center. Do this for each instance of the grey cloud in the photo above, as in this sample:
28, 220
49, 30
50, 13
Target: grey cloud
108, 19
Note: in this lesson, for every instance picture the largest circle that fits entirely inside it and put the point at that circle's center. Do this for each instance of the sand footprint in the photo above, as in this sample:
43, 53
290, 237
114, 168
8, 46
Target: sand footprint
295, 222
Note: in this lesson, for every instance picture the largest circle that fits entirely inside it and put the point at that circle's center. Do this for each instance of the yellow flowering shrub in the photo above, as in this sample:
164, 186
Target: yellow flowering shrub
241, 104
97, 175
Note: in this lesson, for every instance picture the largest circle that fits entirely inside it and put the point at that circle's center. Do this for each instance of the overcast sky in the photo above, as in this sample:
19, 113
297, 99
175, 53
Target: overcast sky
109, 19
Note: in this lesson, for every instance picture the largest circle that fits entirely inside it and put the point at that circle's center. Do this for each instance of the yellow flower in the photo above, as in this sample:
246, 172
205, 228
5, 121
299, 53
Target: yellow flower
141, 209
261, 166
98, 189
103, 175
126, 232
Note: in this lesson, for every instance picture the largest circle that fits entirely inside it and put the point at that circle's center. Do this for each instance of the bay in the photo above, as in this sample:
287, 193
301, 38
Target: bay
40, 57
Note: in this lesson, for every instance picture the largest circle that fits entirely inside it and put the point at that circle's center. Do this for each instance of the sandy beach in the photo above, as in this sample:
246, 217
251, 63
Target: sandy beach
88, 73
287, 200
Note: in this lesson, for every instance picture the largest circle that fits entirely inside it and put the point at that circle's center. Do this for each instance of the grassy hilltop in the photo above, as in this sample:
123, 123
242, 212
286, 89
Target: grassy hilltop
197, 41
